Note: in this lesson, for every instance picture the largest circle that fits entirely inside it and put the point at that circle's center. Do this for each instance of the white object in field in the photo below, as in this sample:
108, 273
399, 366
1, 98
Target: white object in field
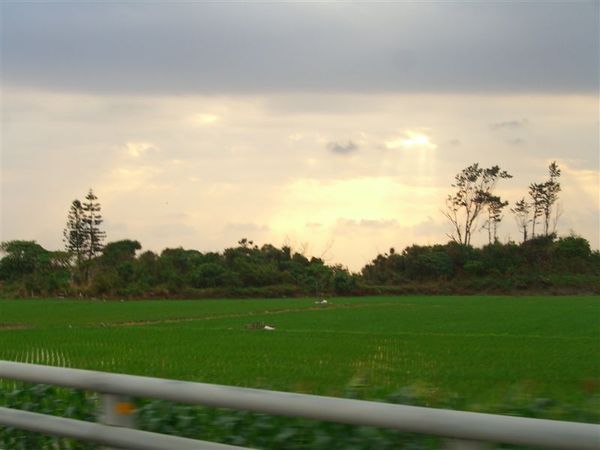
268, 328
323, 302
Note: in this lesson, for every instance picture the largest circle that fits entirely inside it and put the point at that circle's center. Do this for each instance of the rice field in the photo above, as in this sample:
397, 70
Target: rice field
480, 349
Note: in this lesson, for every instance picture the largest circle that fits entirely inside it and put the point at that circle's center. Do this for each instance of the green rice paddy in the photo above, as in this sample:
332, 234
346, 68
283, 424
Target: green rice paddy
481, 349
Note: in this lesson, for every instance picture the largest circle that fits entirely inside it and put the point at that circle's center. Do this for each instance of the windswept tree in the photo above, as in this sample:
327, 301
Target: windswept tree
75, 233
494, 205
474, 189
550, 195
536, 193
543, 197
92, 220
522, 212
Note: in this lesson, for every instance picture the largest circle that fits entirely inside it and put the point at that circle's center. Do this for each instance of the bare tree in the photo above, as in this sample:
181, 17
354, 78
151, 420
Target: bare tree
474, 187
495, 205
558, 211
325, 253
536, 192
522, 211
550, 196
304, 248
543, 197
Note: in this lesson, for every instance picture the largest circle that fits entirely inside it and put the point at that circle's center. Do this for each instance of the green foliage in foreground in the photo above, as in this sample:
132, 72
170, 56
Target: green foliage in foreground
256, 430
68, 403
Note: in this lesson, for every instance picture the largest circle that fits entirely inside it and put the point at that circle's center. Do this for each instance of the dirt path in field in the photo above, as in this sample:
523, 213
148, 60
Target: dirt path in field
330, 307
14, 326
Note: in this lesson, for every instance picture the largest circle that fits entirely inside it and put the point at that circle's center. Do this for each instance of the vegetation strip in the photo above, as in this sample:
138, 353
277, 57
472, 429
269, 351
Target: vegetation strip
248, 314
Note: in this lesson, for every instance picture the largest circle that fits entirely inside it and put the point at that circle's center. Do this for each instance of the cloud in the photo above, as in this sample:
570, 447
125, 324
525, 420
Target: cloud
430, 227
372, 224
192, 47
171, 229
515, 141
137, 149
509, 125
342, 149
123, 179
203, 119
410, 140
246, 170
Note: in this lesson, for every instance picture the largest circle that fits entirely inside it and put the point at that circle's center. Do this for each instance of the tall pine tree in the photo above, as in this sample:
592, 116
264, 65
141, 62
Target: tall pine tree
92, 220
74, 234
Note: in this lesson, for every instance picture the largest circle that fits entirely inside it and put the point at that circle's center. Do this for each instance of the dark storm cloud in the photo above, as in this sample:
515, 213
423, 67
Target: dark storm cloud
181, 47
342, 149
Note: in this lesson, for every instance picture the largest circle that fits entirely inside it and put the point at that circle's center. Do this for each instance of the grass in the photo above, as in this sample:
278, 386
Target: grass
480, 349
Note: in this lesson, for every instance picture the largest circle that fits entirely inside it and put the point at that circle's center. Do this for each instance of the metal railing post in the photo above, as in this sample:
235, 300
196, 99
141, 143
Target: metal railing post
471, 429
463, 444
116, 410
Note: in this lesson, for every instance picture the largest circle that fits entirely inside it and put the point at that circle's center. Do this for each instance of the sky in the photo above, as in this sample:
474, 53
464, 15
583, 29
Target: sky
335, 128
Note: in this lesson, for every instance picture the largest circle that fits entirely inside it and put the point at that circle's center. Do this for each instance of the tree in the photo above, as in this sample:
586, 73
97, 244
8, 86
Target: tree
521, 211
550, 195
31, 269
495, 205
21, 258
92, 220
544, 196
474, 187
75, 234
536, 192
115, 268
118, 252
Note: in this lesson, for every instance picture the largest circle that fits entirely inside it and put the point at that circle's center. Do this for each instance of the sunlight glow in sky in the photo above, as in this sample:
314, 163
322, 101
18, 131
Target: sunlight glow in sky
200, 124
411, 139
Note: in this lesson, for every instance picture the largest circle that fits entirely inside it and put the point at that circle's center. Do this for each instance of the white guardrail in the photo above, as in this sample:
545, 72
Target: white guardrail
465, 430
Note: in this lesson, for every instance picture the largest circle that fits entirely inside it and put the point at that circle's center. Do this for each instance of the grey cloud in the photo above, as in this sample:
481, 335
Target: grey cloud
342, 149
378, 223
367, 223
430, 227
115, 229
515, 141
510, 124
229, 48
168, 230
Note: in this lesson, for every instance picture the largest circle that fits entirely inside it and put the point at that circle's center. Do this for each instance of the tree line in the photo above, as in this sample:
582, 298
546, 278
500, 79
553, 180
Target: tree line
475, 196
541, 262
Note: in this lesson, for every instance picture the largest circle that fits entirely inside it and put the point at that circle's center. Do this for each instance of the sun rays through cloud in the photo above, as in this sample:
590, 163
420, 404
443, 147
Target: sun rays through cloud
216, 120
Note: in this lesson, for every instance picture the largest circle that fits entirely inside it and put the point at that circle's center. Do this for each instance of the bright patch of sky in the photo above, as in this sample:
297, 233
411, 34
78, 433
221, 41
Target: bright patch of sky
334, 128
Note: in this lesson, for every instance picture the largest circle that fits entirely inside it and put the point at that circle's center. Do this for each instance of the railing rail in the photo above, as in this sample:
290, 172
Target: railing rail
102, 434
446, 423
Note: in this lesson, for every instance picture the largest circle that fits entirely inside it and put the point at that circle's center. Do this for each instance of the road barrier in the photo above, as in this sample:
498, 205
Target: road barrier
464, 430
